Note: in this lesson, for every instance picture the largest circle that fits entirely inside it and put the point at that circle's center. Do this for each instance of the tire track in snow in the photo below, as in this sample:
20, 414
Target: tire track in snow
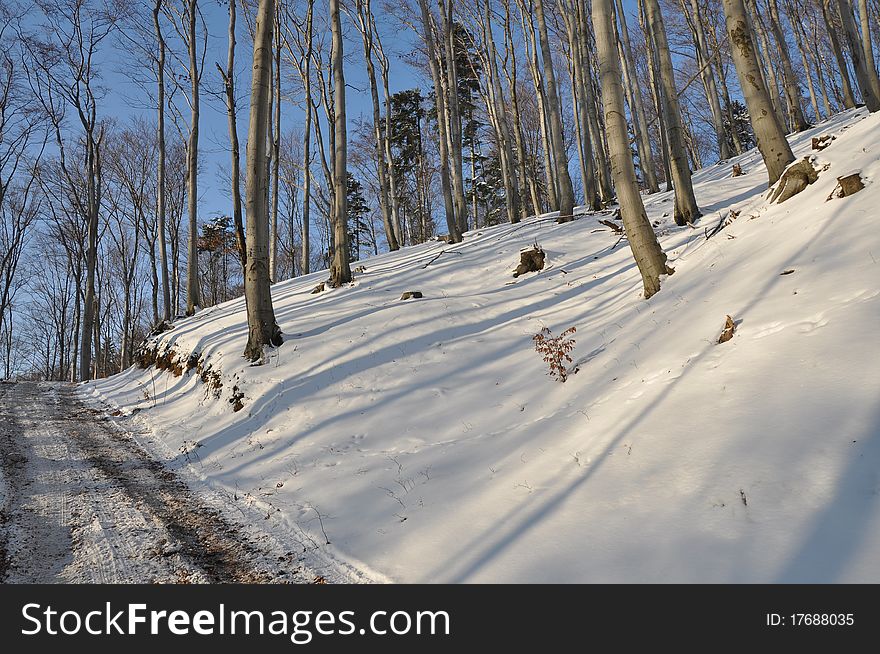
82, 502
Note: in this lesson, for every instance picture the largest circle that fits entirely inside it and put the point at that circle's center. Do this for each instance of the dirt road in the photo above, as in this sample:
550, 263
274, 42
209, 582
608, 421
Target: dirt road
82, 502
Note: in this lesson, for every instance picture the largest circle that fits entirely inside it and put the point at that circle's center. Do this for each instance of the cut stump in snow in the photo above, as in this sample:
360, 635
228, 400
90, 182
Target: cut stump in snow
361, 269
795, 179
318, 289
737, 171
850, 184
530, 261
411, 294
727, 332
821, 142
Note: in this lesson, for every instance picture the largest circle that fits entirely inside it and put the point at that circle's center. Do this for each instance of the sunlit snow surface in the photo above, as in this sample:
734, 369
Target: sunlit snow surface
430, 440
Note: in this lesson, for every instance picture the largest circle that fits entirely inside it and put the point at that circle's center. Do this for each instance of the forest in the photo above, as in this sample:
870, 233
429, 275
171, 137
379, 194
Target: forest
162, 157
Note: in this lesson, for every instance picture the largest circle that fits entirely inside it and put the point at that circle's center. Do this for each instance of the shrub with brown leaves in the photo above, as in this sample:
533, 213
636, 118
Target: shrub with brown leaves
555, 350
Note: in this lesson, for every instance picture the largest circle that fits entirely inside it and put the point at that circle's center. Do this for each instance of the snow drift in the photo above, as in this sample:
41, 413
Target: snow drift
423, 441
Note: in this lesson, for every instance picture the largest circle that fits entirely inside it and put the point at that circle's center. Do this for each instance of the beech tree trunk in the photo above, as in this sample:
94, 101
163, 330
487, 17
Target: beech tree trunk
229, 83
453, 113
686, 209
706, 73
636, 103
646, 250
160, 165
365, 25
442, 124
857, 54
792, 90
262, 328
192, 167
554, 114
276, 153
868, 47
768, 129
340, 271
849, 99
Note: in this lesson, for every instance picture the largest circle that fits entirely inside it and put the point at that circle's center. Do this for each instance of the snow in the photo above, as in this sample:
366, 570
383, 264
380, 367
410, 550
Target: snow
429, 439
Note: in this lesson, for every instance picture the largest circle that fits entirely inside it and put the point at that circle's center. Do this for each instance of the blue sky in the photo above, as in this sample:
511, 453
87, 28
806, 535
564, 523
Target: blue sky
125, 98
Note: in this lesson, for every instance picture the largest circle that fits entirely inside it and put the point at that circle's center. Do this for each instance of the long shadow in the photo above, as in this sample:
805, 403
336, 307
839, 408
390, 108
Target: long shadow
517, 526
839, 530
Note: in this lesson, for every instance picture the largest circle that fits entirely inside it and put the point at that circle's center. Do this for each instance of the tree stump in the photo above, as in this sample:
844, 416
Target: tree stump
794, 180
411, 294
736, 171
530, 261
850, 184
821, 142
318, 289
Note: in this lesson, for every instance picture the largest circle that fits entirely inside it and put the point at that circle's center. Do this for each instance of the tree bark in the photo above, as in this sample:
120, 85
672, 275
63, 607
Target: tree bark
235, 184
647, 253
453, 114
863, 77
792, 90
849, 100
192, 167
452, 224
686, 209
307, 141
160, 165
262, 328
637, 105
695, 18
560, 156
340, 271
497, 114
365, 24
276, 152
768, 129
868, 47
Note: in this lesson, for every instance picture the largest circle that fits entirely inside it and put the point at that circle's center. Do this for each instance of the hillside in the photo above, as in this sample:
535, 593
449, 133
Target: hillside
426, 442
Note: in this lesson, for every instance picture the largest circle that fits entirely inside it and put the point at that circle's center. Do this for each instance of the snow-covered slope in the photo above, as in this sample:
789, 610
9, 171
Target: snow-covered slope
429, 440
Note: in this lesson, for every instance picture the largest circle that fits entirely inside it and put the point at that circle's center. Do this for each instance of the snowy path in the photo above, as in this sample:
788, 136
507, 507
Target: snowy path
82, 502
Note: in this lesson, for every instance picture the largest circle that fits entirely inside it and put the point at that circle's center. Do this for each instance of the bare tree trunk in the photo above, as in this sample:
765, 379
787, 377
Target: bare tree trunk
276, 152
453, 115
235, 184
192, 167
442, 123
768, 69
686, 209
366, 27
653, 66
581, 93
867, 46
541, 97
650, 259
863, 77
849, 100
560, 157
798, 30
340, 271
160, 166
526, 181
637, 105
93, 177
496, 109
792, 90
389, 158
765, 122
810, 48
262, 328
307, 141
695, 19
